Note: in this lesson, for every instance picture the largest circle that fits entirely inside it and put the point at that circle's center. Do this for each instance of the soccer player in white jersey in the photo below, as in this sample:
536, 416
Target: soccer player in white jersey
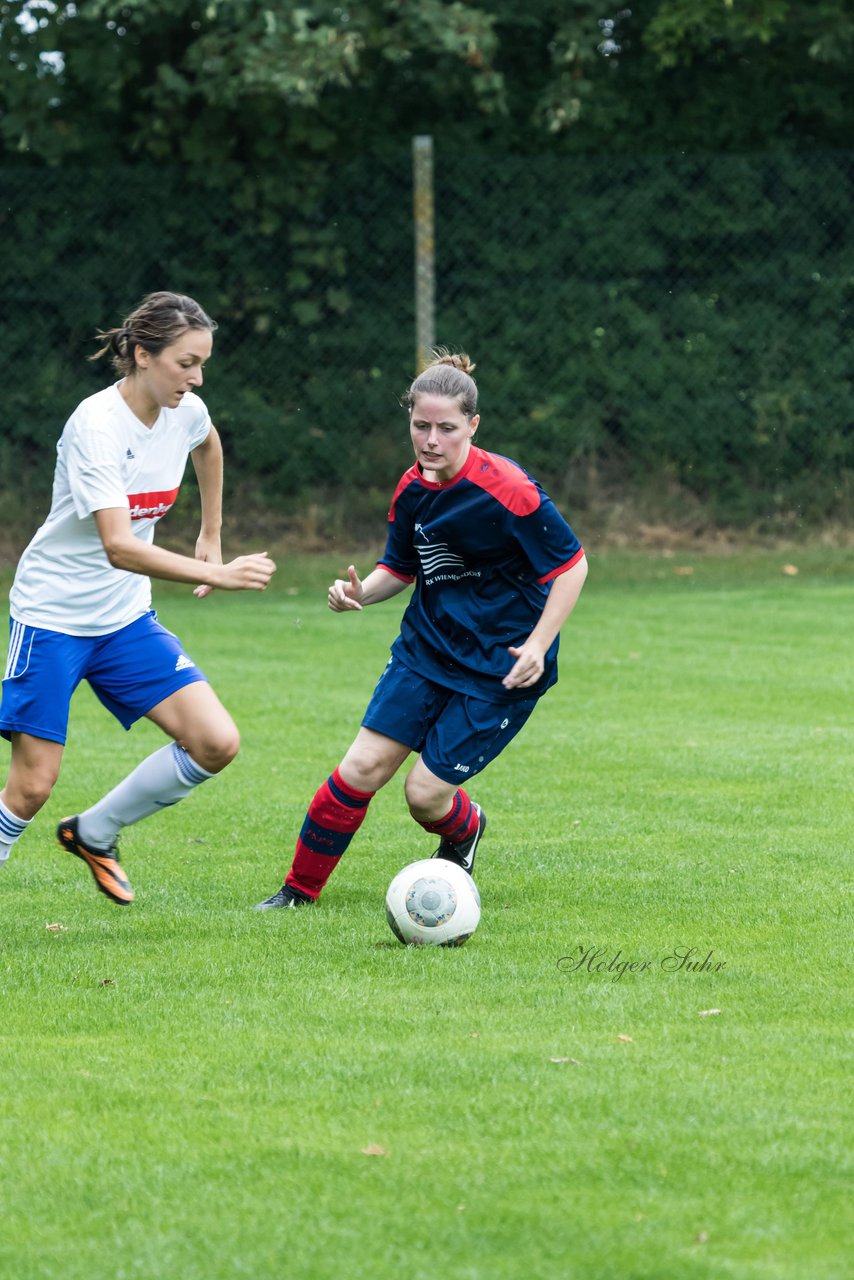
80, 604
497, 571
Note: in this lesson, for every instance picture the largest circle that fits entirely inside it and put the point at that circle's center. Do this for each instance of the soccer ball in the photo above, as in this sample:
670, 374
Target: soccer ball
433, 901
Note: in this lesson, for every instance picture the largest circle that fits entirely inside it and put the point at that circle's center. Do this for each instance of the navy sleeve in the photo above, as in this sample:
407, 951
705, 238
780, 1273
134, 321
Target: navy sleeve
399, 556
547, 540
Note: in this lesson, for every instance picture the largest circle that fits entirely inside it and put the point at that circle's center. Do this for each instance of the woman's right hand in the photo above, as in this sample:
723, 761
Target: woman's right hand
346, 595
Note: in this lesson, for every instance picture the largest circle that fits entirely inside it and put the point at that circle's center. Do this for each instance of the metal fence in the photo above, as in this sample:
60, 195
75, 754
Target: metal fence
674, 328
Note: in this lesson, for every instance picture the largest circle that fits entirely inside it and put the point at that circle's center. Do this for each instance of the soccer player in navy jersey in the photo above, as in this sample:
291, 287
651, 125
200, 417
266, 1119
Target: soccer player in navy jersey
497, 571
80, 605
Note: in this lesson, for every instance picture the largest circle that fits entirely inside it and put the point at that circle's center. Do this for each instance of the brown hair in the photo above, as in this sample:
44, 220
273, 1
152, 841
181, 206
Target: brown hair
155, 324
447, 374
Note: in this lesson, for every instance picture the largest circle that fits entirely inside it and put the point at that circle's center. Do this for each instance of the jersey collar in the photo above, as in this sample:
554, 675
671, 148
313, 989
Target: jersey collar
474, 453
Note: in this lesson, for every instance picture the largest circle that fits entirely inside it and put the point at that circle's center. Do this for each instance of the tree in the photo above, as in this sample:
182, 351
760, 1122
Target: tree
216, 82
229, 87
709, 75
256, 154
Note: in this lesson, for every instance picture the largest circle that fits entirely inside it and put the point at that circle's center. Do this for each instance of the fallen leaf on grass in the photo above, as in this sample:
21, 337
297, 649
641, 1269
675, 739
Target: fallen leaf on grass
684, 570
574, 1061
55, 928
707, 1013
625, 1039
107, 982
374, 1150
790, 569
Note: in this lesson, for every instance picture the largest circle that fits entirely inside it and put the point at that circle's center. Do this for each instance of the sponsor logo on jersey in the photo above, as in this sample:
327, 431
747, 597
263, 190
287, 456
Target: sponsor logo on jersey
439, 563
151, 506
184, 662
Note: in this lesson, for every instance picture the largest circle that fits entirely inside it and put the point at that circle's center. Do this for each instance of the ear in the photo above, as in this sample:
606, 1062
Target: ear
141, 357
473, 423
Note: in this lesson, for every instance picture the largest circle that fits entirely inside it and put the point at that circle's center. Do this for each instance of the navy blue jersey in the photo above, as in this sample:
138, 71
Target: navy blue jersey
482, 549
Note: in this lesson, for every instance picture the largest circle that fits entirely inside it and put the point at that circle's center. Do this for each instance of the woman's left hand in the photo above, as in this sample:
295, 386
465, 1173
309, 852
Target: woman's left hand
209, 549
528, 667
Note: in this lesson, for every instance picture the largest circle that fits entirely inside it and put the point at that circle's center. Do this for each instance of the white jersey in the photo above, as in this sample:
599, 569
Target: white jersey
106, 458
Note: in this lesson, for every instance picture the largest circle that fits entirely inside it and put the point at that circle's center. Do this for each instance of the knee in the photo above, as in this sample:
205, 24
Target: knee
214, 751
26, 793
426, 796
365, 769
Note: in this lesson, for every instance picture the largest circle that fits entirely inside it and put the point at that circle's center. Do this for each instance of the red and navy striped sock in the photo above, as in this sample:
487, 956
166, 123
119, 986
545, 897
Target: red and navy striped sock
334, 816
459, 822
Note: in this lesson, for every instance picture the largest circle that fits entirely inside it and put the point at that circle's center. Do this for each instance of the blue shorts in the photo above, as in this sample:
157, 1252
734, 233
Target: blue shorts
456, 735
130, 670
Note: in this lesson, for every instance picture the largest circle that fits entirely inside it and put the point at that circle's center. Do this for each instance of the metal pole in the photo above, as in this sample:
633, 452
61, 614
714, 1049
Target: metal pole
425, 249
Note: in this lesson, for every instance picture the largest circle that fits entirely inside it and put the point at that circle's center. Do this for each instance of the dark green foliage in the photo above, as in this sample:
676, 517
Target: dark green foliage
682, 320
679, 320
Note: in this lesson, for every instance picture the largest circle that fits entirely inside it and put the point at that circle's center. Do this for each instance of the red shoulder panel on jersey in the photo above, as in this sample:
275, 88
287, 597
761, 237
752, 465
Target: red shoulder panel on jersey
145, 506
506, 482
403, 483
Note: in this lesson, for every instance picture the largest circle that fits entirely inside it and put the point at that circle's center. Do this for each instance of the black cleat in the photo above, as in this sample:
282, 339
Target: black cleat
464, 850
286, 897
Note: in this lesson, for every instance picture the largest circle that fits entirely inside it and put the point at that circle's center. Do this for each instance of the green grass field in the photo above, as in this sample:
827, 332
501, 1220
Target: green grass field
194, 1091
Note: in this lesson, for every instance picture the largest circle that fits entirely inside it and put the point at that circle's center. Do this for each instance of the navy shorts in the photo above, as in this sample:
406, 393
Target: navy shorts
456, 735
130, 670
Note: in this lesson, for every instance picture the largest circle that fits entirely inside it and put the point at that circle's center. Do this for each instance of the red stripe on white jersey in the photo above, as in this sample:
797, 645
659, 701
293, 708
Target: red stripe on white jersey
151, 506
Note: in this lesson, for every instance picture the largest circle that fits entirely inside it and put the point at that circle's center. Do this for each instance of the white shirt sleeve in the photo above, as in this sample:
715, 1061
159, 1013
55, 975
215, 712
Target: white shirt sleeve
200, 425
94, 470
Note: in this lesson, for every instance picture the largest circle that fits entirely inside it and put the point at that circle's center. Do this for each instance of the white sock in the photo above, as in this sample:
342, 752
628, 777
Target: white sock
11, 827
162, 779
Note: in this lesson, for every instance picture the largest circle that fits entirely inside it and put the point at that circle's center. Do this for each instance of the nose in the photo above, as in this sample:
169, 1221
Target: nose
196, 377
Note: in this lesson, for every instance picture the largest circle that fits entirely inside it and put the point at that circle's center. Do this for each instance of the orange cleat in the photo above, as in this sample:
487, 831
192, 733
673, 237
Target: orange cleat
103, 863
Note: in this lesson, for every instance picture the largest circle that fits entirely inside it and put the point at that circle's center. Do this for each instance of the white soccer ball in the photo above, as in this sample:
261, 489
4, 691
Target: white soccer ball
433, 901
